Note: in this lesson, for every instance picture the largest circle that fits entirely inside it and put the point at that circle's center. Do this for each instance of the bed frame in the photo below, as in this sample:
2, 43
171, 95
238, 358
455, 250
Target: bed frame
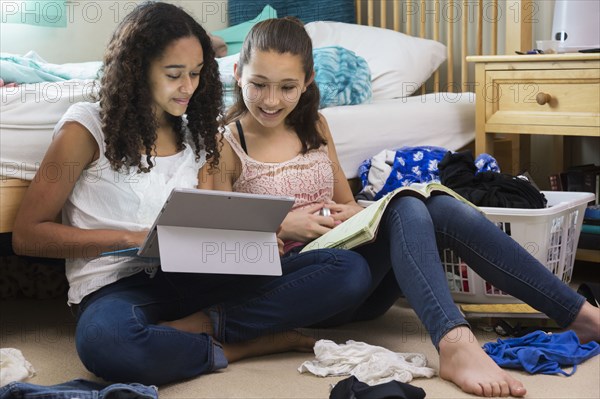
466, 27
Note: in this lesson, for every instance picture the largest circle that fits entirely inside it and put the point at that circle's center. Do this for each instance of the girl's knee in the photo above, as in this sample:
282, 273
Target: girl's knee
354, 273
120, 357
409, 209
445, 207
109, 343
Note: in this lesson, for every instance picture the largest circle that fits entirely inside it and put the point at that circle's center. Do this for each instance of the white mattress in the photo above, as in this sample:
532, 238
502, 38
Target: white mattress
29, 113
361, 131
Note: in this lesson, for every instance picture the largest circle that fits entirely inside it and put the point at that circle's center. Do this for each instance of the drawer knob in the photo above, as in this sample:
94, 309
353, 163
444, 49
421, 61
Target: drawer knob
543, 98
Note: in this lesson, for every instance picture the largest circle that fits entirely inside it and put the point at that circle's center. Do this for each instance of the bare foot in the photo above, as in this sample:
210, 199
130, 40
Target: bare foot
268, 344
587, 324
197, 323
464, 362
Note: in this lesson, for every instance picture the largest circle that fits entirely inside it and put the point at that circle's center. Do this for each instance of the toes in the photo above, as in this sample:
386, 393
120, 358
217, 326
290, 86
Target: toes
475, 389
504, 389
496, 390
517, 389
487, 390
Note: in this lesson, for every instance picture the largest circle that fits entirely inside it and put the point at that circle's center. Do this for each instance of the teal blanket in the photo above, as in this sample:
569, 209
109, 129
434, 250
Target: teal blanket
31, 68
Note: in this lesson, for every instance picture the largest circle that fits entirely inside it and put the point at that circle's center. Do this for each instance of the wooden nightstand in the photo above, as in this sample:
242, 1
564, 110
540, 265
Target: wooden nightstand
522, 95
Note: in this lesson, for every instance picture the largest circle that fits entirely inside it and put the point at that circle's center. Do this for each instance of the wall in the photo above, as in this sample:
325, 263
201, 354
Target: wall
582, 150
89, 27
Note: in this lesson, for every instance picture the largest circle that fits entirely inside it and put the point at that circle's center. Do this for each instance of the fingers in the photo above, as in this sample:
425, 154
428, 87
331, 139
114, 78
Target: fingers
313, 208
336, 207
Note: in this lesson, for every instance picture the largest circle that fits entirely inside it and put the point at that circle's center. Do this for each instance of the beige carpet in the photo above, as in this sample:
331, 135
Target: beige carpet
43, 331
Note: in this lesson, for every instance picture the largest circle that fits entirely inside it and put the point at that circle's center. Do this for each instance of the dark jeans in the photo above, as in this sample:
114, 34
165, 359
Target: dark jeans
118, 338
405, 260
78, 389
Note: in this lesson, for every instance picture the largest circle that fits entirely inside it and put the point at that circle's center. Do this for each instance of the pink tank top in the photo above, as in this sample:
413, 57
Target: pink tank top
306, 177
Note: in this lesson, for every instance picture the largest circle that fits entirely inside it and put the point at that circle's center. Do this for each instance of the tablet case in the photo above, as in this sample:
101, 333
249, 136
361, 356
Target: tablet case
206, 231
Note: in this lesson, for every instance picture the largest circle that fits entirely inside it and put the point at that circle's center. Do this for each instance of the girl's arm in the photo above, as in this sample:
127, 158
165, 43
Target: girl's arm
305, 225
224, 174
36, 232
345, 206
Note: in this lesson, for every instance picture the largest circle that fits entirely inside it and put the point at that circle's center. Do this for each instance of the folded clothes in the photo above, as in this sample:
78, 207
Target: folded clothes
369, 364
540, 352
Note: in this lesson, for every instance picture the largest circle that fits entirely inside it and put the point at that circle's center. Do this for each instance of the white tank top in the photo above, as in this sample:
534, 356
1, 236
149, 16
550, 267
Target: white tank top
125, 200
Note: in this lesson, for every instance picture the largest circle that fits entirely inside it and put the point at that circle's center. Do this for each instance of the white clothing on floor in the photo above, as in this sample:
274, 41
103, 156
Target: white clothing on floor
13, 366
370, 364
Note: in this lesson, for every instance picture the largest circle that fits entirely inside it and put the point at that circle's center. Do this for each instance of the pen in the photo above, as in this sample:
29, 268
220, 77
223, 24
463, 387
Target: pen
120, 251
324, 212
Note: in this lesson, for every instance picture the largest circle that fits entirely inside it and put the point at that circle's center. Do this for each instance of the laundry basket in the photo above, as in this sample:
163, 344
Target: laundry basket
550, 234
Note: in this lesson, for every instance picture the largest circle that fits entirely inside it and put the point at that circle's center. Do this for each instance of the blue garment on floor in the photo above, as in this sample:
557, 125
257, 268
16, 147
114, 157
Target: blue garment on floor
80, 389
539, 352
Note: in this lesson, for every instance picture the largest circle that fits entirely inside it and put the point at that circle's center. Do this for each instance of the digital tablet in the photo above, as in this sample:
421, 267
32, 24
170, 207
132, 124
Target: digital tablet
207, 231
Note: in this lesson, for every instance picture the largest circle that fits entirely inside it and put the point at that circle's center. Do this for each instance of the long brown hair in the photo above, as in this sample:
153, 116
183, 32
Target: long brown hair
284, 35
127, 116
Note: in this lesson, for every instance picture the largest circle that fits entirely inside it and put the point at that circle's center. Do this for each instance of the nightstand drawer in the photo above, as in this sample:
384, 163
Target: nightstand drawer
543, 97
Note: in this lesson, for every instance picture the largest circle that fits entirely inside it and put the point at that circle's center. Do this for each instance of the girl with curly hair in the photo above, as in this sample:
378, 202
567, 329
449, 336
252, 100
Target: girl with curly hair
115, 163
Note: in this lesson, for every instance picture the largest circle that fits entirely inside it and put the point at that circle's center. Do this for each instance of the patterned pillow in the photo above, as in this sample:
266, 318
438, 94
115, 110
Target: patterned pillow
343, 78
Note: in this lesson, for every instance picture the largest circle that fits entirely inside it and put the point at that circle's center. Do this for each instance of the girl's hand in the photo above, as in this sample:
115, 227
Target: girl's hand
342, 212
305, 224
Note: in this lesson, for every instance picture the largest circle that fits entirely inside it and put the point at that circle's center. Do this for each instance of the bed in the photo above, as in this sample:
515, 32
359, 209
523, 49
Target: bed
421, 90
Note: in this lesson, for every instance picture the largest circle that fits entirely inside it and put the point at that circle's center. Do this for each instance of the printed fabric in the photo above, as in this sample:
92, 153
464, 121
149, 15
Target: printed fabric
540, 352
390, 169
342, 76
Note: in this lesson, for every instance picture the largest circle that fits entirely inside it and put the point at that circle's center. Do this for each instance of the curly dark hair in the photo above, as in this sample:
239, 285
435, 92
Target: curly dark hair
284, 35
127, 114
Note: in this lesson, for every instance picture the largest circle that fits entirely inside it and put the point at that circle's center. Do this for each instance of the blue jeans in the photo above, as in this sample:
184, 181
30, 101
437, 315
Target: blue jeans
80, 389
405, 261
117, 335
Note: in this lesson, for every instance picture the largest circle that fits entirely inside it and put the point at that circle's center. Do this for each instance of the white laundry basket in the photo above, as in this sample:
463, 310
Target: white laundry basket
549, 234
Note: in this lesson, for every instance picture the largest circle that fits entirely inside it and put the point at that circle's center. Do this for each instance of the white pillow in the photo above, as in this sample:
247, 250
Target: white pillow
399, 63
